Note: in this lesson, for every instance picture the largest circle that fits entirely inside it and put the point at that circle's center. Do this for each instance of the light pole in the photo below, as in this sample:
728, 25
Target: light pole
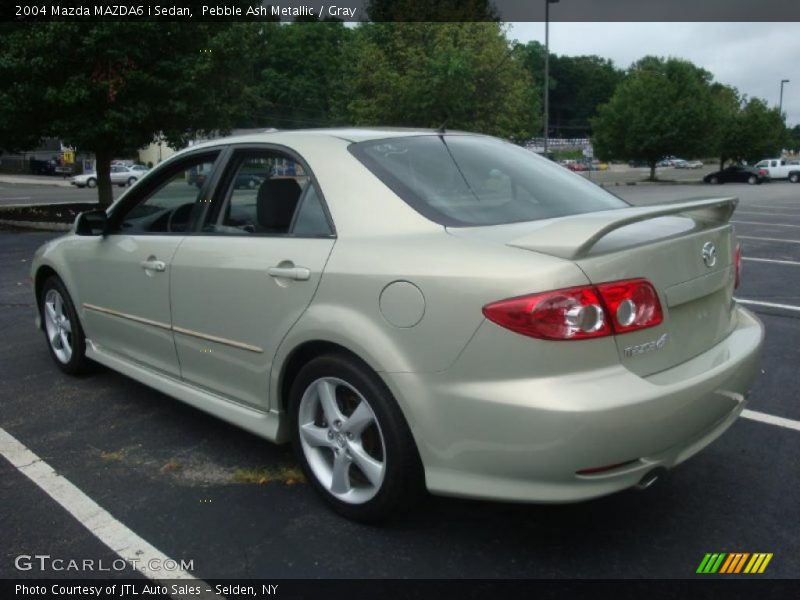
547, 4
780, 104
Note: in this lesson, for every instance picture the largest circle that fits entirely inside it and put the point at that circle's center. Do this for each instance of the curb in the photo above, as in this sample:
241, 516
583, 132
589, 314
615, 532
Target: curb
37, 225
28, 181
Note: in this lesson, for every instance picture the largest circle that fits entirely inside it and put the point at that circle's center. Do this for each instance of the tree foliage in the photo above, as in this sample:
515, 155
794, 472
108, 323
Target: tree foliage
748, 130
299, 71
578, 86
662, 107
110, 87
462, 75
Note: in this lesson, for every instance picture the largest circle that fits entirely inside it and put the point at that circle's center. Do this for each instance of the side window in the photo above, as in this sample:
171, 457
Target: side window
262, 194
311, 219
762, 164
171, 203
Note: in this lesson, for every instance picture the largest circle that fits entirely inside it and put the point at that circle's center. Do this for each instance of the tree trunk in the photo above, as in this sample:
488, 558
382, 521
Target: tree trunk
652, 170
103, 169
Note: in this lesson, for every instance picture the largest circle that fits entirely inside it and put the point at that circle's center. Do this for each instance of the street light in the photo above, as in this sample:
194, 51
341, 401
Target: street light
547, 4
780, 104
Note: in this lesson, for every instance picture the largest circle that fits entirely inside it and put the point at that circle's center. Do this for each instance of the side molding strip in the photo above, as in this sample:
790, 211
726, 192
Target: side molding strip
166, 326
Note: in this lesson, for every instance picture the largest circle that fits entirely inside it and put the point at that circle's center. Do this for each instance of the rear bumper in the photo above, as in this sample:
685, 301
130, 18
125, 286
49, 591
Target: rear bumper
524, 439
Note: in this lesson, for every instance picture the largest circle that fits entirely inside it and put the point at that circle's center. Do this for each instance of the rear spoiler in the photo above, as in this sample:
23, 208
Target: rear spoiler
572, 237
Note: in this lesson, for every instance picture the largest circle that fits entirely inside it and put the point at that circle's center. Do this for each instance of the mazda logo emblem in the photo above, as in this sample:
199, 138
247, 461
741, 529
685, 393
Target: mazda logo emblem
709, 254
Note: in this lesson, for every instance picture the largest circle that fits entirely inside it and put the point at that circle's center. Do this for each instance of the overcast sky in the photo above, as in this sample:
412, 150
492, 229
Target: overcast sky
752, 57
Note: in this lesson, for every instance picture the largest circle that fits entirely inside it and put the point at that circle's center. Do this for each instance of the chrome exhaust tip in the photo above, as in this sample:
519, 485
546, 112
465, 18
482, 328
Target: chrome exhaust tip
650, 478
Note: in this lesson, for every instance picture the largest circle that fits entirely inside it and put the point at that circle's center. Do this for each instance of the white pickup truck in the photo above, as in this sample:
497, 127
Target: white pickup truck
778, 168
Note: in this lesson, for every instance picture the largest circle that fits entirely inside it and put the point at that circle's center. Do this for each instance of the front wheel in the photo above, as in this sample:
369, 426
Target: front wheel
794, 177
352, 440
65, 338
752, 180
131, 181
714, 180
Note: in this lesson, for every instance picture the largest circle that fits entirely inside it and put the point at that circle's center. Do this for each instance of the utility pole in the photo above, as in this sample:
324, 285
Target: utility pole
547, 4
780, 104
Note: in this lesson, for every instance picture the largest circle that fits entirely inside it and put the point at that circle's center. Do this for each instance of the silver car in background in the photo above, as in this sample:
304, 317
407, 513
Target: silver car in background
414, 310
121, 175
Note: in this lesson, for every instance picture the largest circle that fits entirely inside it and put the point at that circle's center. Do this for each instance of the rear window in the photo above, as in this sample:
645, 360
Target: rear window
464, 180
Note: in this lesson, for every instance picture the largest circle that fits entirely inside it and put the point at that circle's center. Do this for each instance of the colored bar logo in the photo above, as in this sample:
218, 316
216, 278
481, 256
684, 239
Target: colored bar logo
734, 562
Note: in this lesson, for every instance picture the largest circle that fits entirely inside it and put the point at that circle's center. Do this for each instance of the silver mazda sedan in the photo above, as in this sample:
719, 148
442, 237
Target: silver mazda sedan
414, 310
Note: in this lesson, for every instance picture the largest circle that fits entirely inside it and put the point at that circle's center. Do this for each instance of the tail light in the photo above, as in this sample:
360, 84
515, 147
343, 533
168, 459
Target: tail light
580, 312
737, 263
763, 172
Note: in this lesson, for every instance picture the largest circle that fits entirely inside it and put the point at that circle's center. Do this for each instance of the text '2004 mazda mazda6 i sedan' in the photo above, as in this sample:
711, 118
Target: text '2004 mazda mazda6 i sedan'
412, 310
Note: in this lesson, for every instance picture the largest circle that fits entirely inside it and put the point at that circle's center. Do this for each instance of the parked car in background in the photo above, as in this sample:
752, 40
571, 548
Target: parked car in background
778, 168
691, 164
577, 166
120, 175
738, 174
415, 309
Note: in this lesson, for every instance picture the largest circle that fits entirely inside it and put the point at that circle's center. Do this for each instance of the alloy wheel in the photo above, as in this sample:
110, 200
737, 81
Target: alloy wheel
342, 440
58, 326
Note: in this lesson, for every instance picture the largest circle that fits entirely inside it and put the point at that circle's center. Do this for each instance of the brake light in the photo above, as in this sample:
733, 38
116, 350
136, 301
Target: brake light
580, 312
633, 304
737, 262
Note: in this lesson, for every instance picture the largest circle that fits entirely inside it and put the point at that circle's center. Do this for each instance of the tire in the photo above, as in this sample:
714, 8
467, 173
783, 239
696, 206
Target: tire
367, 470
131, 181
91, 183
713, 180
251, 184
794, 177
62, 329
752, 180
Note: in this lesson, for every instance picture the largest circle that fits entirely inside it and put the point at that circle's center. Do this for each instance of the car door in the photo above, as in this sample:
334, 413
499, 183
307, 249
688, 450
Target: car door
123, 277
245, 278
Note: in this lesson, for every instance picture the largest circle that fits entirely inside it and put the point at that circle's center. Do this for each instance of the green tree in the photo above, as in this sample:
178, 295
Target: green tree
662, 107
110, 87
747, 129
462, 75
299, 68
578, 86
793, 140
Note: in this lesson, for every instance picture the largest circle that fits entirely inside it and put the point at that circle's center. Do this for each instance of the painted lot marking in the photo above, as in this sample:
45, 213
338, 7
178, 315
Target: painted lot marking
778, 206
767, 239
768, 214
92, 516
767, 224
772, 260
771, 419
791, 307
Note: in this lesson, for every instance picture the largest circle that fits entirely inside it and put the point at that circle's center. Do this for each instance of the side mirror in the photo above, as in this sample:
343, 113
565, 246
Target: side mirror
92, 222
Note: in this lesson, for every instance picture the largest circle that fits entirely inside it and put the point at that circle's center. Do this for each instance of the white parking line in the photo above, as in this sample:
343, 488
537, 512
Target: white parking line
772, 260
766, 239
768, 214
771, 419
780, 206
134, 550
769, 304
768, 224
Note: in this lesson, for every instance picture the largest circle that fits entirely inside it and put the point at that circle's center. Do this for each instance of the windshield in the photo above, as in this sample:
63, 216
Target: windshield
467, 180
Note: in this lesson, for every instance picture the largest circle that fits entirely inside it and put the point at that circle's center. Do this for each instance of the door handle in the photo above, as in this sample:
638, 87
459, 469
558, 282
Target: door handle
296, 273
151, 264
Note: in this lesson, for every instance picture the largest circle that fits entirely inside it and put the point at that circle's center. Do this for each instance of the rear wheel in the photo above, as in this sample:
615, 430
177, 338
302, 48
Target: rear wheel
352, 440
91, 183
714, 180
131, 180
794, 177
752, 180
63, 330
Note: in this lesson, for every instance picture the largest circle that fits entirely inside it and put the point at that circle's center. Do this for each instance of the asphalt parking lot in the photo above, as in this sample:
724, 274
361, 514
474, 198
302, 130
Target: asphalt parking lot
203, 491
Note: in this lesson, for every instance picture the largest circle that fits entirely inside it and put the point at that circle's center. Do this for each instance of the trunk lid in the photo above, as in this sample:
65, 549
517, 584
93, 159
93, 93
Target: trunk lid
666, 244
